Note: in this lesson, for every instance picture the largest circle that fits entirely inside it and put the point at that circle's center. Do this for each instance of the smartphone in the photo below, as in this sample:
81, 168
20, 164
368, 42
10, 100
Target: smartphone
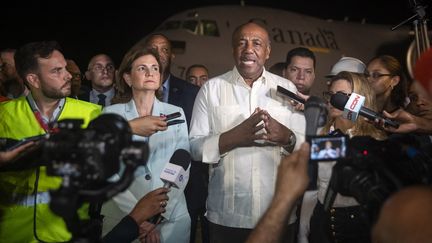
173, 116
173, 122
290, 94
328, 148
23, 141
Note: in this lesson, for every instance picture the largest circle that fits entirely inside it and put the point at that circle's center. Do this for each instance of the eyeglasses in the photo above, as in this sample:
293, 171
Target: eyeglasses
377, 75
100, 68
328, 94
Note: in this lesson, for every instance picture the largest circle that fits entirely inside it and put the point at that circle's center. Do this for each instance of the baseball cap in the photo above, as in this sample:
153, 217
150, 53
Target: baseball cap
349, 64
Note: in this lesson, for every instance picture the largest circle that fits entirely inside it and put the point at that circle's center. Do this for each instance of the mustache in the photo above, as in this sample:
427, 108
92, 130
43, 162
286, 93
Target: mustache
68, 83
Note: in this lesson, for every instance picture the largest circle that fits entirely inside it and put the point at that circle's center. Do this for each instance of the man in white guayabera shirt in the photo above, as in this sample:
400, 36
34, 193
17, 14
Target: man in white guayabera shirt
242, 127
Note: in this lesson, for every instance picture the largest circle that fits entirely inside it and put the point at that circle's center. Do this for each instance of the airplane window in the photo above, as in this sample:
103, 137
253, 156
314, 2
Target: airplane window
190, 25
171, 25
210, 28
178, 47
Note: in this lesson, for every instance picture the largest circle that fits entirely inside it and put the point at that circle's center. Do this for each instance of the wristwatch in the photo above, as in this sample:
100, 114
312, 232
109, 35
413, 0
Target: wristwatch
290, 146
292, 140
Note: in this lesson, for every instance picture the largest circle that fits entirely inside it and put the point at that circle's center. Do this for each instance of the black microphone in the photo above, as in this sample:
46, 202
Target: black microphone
315, 113
175, 174
290, 94
352, 106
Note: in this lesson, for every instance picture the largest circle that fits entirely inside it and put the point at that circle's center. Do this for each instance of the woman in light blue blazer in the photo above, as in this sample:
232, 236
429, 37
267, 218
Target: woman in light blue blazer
138, 81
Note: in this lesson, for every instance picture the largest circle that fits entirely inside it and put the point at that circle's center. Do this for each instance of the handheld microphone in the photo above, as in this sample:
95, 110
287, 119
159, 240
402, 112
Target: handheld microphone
290, 94
353, 107
315, 113
174, 174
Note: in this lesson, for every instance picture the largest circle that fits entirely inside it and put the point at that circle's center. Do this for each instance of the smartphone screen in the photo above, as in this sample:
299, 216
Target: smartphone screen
328, 148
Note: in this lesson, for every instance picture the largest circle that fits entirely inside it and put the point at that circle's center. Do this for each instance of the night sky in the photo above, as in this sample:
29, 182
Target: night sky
83, 32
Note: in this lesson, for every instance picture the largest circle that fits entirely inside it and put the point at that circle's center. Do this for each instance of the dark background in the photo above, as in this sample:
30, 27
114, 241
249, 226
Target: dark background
84, 30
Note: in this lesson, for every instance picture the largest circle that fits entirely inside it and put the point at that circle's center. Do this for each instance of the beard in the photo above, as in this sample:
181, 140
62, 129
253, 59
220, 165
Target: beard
53, 93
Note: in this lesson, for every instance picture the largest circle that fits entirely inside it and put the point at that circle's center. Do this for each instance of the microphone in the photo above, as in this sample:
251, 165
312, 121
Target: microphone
352, 107
175, 175
315, 113
290, 94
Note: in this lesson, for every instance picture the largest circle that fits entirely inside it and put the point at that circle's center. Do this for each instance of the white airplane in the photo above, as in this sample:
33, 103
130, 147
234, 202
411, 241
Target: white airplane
203, 36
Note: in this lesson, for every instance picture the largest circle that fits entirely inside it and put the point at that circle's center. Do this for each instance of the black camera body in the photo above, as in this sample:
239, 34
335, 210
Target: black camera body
373, 170
86, 159
89, 155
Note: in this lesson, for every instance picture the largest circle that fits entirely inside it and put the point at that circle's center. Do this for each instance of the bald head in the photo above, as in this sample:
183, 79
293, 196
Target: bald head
406, 217
251, 49
101, 72
248, 26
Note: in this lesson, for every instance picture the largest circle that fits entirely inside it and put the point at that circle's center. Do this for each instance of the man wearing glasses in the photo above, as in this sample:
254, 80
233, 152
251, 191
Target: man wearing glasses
100, 73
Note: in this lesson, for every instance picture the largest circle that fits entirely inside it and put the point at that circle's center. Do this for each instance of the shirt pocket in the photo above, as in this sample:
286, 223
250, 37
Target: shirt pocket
226, 117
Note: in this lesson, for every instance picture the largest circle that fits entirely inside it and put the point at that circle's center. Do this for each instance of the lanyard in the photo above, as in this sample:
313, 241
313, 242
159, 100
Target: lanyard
43, 124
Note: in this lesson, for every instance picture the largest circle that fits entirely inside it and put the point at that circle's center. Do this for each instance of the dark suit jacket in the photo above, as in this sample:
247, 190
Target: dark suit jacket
182, 93
84, 93
125, 231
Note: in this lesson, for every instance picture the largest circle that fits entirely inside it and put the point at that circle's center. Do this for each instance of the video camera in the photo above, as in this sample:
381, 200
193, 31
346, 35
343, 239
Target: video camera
372, 170
86, 160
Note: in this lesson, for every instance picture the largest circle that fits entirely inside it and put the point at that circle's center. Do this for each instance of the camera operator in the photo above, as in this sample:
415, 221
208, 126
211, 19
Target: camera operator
25, 199
129, 228
343, 222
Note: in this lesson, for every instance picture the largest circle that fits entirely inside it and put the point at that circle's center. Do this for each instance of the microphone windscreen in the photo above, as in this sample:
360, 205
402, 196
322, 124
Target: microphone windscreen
315, 113
339, 101
181, 158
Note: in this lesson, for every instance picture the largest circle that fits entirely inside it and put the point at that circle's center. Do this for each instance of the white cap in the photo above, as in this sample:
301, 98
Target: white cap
349, 64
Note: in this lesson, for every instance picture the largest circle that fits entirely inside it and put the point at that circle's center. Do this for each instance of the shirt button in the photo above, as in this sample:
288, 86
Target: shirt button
147, 177
332, 218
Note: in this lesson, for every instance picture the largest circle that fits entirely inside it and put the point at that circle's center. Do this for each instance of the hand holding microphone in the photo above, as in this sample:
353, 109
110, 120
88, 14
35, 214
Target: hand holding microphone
352, 107
175, 174
151, 204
